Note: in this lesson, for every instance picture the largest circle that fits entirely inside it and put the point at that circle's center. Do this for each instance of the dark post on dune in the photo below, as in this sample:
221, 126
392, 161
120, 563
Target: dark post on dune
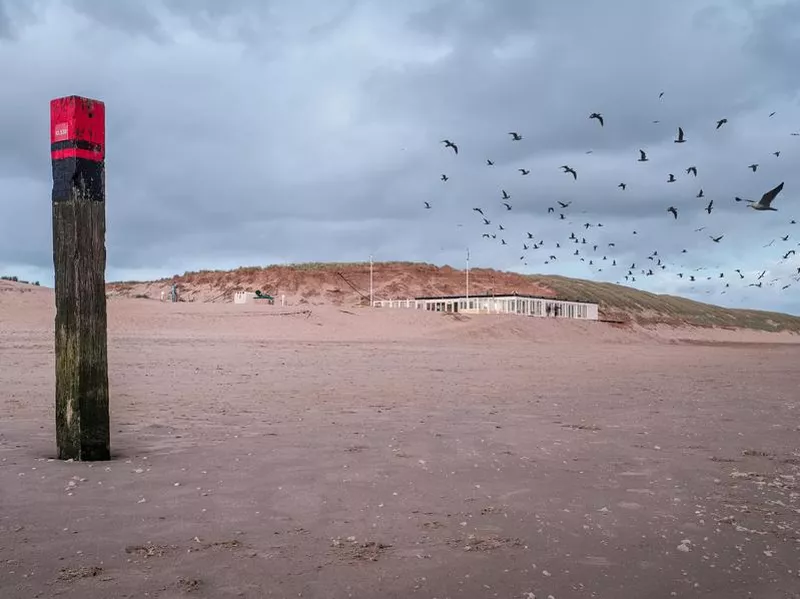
77, 146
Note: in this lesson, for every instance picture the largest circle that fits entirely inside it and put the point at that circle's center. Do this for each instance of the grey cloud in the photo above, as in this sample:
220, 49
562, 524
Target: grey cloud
775, 41
15, 15
132, 18
478, 22
5, 22
263, 25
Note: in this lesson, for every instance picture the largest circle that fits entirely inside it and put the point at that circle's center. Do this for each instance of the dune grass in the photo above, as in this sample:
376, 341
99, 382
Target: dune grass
625, 303
339, 265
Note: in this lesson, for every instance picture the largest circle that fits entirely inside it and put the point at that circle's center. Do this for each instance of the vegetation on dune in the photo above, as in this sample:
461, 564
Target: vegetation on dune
327, 266
14, 279
626, 303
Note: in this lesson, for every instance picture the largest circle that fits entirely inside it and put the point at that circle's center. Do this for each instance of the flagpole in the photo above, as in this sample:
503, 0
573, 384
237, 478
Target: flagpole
467, 276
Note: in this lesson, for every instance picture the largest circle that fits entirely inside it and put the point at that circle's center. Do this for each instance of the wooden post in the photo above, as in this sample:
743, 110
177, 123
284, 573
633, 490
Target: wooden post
77, 138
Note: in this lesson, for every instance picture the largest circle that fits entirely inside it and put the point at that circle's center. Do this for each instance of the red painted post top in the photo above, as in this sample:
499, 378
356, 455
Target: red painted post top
77, 128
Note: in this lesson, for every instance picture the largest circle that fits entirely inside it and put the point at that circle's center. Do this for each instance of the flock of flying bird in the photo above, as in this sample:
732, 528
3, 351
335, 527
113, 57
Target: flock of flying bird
598, 259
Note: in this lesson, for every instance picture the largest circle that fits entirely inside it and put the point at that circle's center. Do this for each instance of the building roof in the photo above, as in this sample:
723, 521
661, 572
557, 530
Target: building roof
501, 296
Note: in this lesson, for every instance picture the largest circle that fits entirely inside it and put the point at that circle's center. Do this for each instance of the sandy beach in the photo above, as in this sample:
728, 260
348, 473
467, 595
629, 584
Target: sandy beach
320, 451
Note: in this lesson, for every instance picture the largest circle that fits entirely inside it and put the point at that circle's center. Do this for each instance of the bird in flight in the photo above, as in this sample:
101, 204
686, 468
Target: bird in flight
478, 210
721, 122
444, 177
661, 95
716, 239
622, 186
700, 193
564, 204
673, 210
671, 178
514, 135
710, 204
777, 154
569, 169
765, 203
505, 195
486, 221
449, 144
680, 139
524, 171
787, 254
598, 116
772, 113
427, 205
642, 156
753, 167
692, 170
508, 206
489, 162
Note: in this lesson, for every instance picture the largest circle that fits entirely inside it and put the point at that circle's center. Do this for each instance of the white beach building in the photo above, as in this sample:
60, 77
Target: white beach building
527, 305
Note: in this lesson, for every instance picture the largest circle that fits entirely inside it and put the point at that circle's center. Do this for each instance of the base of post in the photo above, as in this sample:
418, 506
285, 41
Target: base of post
91, 453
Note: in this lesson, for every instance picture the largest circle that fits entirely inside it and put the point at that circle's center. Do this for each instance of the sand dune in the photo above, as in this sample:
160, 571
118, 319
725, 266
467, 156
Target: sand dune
348, 285
26, 306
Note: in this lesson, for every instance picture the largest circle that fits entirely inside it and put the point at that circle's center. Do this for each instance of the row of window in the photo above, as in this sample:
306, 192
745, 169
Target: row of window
531, 307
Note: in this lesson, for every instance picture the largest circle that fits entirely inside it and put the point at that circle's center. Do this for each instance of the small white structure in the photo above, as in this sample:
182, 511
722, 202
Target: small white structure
527, 305
242, 297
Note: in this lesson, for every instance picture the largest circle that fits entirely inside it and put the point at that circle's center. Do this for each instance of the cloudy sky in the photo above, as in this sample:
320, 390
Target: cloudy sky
264, 131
